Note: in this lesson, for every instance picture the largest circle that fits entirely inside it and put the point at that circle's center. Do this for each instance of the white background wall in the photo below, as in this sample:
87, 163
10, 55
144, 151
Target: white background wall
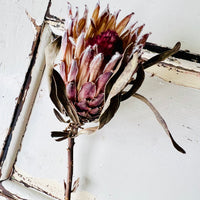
131, 158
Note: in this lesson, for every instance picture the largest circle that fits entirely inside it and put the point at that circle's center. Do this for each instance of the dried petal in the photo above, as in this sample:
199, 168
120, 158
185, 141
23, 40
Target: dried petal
111, 64
75, 20
103, 18
71, 91
69, 53
80, 26
69, 27
139, 30
96, 101
82, 22
82, 105
102, 24
83, 114
111, 23
95, 14
102, 80
83, 73
94, 111
79, 45
63, 48
95, 66
73, 71
123, 23
71, 39
143, 40
63, 73
116, 13
87, 91
69, 14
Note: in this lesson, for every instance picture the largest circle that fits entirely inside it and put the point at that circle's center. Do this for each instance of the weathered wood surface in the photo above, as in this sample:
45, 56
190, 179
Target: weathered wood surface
100, 158
132, 150
16, 39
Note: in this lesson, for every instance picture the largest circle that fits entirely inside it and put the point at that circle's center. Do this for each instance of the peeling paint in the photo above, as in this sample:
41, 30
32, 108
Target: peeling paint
48, 187
186, 55
24, 90
45, 186
20, 102
8, 195
180, 69
50, 17
176, 75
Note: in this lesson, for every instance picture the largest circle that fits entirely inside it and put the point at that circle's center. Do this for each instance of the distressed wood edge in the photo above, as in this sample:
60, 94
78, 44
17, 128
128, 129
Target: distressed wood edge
45, 186
13, 190
174, 70
181, 54
17, 130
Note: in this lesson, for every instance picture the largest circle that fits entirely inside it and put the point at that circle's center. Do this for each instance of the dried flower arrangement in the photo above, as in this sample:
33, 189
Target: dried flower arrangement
97, 64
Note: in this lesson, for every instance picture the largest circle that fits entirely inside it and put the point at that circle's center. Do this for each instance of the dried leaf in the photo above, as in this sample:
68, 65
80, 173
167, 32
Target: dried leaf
135, 85
109, 113
160, 120
51, 52
58, 115
119, 69
60, 135
61, 93
88, 131
124, 77
75, 185
162, 56
53, 96
113, 100
61, 139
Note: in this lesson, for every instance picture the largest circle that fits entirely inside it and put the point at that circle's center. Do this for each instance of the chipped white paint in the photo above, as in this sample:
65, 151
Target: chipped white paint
57, 190
27, 107
177, 71
16, 38
131, 157
18, 190
132, 141
53, 188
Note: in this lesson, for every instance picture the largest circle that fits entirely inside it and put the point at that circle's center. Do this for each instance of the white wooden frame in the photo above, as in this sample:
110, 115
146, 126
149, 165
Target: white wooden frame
189, 72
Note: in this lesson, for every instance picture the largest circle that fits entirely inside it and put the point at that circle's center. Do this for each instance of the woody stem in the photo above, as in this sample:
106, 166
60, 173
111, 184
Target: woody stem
70, 151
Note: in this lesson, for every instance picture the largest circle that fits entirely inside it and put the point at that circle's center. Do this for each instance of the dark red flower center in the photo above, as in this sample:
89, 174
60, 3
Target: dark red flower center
108, 43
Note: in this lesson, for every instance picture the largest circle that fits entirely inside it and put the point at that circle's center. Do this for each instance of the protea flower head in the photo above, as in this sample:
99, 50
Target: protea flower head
90, 55
98, 62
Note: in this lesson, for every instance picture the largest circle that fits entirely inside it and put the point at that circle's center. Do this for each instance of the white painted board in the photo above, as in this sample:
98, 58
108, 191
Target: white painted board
131, 157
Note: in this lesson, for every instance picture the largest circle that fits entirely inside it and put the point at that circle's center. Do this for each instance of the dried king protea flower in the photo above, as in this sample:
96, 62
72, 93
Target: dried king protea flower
91, 56
97, 63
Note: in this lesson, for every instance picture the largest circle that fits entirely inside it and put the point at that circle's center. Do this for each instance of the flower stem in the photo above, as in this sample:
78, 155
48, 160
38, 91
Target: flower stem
70, 151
